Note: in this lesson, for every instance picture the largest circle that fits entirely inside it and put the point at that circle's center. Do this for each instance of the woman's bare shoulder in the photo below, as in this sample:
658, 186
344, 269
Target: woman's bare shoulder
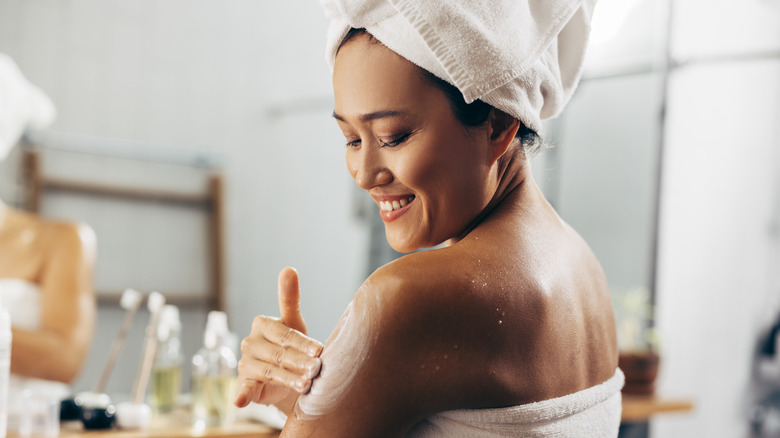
415, 340
67, 236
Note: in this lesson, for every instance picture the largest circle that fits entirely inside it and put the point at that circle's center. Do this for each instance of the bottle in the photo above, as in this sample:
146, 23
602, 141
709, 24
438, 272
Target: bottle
214, 374
168, 361
5, 367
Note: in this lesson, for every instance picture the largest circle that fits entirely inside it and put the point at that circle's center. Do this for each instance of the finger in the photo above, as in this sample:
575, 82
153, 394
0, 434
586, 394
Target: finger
275, 375
280, 334
274, 331
287, 357
290, 300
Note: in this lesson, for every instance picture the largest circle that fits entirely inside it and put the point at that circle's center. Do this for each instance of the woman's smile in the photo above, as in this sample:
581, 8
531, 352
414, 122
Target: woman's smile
392, 207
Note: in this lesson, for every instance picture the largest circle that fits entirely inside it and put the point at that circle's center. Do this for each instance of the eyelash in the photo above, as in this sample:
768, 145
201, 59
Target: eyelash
397, 141
390, 144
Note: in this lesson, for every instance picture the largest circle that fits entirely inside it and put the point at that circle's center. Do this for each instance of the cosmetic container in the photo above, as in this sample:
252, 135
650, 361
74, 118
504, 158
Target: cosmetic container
168, 362
214, 371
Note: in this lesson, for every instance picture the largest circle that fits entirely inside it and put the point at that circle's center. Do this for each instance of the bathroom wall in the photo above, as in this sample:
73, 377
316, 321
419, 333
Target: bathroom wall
719, 264
243, 80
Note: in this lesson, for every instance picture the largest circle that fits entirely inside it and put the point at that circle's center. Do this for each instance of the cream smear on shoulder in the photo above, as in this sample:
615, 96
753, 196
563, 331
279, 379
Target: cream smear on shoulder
344, 354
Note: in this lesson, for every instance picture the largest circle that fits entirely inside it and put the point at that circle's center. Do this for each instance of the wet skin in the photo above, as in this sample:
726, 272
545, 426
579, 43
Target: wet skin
514, 309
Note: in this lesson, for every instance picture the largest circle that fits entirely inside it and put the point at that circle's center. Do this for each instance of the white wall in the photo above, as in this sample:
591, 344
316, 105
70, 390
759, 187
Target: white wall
719, 278
246, 79
716, 289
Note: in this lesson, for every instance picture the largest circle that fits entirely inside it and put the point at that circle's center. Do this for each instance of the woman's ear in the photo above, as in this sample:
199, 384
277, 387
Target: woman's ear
502, 129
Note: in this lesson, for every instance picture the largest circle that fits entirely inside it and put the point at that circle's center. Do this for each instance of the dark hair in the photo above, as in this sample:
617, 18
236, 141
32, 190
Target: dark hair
468, 114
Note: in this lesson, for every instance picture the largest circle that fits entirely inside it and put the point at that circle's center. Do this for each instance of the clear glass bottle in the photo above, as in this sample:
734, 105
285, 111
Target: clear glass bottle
168, 361
214, 373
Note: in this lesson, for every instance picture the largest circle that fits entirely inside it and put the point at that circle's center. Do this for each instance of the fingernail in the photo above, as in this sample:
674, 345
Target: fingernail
242, 395
305, 386
313, 367
314, 350
239, 401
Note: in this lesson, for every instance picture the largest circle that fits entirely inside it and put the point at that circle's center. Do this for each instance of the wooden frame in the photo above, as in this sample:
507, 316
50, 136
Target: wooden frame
213, 201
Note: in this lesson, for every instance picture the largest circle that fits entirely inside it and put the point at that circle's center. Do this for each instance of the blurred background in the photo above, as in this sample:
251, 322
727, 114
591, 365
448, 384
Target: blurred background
195, 137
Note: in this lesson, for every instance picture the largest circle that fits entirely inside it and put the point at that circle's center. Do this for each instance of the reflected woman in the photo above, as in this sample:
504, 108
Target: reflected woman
45, 268
507, 330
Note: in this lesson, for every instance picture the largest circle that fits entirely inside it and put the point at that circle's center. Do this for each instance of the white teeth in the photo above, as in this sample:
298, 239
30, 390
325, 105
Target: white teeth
394, 205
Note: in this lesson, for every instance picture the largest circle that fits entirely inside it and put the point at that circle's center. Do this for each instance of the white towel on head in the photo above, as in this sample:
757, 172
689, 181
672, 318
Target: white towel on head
22, 105
523, 57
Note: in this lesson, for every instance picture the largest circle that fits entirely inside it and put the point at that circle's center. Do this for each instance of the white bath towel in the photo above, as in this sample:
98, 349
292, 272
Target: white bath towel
593, 413
22, 105
22, 299
521, 56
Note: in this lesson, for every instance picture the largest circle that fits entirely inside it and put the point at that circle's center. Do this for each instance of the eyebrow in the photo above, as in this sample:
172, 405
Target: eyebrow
374, 115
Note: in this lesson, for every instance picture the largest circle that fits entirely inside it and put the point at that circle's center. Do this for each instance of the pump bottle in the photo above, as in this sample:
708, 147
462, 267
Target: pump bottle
214, 370
168, 362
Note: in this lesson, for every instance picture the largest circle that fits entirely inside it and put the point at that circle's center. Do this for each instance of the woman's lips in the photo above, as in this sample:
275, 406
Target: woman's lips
393, 207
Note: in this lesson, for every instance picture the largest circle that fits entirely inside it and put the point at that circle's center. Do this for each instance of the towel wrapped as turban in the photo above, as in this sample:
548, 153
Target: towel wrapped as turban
523, 57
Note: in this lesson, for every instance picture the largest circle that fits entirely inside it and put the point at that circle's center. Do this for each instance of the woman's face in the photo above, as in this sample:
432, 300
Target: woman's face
428, 174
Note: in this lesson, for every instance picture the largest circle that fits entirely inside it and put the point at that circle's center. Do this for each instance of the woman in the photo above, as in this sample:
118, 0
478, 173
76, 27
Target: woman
466, 339
45, 267
46, 285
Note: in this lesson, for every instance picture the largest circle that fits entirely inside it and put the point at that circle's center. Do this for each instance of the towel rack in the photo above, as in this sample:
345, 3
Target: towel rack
37, 185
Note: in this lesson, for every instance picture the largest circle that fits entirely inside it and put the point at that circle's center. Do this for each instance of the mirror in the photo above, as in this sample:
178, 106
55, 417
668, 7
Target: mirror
247, 81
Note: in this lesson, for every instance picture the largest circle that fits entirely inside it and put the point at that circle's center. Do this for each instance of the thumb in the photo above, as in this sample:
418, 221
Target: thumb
290, 300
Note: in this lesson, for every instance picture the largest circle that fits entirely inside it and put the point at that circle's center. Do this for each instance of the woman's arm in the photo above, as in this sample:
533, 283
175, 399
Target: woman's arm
403, 351
58, 350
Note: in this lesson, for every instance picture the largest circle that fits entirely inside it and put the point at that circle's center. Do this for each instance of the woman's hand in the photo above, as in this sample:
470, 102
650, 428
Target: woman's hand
278, 360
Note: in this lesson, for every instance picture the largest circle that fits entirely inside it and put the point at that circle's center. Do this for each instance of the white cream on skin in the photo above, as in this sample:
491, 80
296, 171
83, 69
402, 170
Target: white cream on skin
344, 353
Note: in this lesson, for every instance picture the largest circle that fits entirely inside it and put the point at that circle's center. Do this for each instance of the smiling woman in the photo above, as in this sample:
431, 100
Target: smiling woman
396, 137
508, 329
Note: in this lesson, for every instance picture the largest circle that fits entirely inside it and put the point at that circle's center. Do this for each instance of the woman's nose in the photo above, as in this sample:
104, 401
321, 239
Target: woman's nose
367, 167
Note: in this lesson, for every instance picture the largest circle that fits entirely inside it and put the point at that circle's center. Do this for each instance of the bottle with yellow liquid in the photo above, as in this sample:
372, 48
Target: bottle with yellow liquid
168, 363
214, 370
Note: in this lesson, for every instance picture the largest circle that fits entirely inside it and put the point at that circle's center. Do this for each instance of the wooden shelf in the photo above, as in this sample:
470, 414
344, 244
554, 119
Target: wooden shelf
238, 430
173, 425
638, 408
126, 192
180, 299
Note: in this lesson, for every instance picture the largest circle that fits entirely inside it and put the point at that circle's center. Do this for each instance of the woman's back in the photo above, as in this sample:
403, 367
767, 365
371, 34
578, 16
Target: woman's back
535, 295
516, 312
547, 295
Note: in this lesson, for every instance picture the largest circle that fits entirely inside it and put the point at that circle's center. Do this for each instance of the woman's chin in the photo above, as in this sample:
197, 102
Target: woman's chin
400, 244
402, 248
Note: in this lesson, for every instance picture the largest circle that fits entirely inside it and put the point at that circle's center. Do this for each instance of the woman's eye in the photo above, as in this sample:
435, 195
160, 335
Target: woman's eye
353, 143
395, 141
